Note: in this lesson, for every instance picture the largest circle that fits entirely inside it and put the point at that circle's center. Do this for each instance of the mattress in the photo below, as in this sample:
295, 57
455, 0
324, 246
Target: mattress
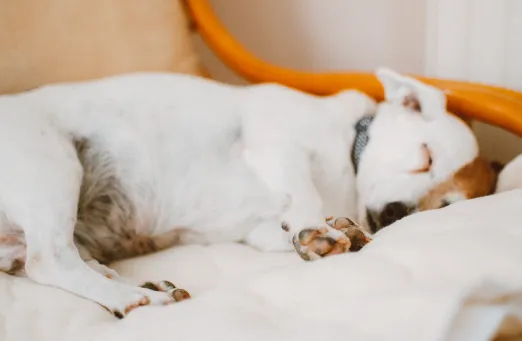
450, 274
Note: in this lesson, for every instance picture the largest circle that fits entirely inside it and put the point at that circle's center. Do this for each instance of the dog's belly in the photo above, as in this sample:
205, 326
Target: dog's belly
121, 218
107, 223
111, 223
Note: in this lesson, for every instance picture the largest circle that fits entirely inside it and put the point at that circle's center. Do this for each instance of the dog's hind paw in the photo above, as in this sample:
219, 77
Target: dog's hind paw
166, 286
338, 236
149, 293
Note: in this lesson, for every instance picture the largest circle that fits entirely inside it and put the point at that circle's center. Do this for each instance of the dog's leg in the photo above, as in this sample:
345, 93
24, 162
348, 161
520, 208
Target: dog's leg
57, 263
100, 268
288, 171
163, 286
269, 237
39, 195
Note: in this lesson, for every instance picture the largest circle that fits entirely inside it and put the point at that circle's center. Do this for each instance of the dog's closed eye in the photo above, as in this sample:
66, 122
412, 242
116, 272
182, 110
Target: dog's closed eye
427, 160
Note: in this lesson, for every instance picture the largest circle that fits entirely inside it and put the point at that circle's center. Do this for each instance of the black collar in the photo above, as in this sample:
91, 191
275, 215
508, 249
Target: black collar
361, 139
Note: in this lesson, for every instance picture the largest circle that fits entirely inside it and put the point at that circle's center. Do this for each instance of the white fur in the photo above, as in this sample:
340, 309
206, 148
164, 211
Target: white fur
395, 148
510, 177
227, 163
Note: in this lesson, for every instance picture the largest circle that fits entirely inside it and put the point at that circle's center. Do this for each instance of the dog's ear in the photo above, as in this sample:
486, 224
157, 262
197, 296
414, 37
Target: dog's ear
413, 94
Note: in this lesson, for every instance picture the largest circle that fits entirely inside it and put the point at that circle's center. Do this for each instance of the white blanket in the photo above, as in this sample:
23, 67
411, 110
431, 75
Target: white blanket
452, 274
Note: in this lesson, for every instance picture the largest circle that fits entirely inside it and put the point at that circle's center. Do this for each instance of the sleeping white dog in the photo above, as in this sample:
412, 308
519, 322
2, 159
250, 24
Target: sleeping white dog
103, 170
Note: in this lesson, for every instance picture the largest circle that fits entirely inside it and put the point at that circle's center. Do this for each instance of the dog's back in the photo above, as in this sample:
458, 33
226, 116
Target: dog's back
151, 156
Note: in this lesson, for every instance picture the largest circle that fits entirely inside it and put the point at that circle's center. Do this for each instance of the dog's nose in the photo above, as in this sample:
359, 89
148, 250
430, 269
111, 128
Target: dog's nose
392, 212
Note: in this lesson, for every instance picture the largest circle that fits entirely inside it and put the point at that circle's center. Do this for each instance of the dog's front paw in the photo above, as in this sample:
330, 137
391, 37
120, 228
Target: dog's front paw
338, 236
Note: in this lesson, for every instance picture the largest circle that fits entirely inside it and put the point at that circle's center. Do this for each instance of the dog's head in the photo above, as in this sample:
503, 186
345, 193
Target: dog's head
418, 156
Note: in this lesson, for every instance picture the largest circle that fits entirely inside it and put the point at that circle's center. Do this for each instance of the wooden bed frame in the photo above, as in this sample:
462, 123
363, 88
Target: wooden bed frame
493, 105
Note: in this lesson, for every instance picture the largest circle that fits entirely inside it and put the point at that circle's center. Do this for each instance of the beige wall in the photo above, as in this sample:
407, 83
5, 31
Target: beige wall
45, 41
327, 34
478, 40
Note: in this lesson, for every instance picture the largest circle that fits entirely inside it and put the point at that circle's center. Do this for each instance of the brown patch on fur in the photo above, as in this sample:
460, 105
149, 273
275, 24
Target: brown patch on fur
473, 180
412, 102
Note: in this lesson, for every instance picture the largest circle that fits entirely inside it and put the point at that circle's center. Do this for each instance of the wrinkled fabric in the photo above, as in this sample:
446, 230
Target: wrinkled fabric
451, 274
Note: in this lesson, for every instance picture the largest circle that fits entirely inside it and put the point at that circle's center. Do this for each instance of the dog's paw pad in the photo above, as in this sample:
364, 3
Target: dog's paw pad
342, 235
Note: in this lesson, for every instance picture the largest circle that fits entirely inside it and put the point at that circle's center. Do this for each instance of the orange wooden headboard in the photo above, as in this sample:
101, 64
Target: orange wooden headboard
493, 105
